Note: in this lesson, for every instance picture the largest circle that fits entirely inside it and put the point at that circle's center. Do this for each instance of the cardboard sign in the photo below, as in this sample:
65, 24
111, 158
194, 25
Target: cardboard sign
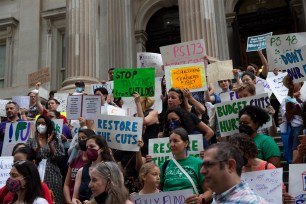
109, 86
120, 132
18, 132
227, 112
148, 59
5, 168
2, 107
22, 101
62, 99
42, 76
297, 182
191, 76
277, 86
221, 70
184, 53
86, 106
278, 45
266, 183
127, 81
174, 197
258, 42
159, 148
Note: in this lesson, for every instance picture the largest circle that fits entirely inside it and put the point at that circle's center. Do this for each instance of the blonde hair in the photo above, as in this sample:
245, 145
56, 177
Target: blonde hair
249, 87
147, 103
144, 170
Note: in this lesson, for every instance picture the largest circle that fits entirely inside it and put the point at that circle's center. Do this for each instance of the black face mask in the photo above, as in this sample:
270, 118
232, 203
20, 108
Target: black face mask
82, 145
101, 198
246, 129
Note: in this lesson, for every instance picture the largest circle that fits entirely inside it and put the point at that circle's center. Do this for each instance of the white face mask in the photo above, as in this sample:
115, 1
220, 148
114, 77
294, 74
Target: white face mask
42, 129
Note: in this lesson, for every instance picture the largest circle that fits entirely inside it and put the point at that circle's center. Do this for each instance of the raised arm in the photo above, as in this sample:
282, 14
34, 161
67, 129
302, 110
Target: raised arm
265, 66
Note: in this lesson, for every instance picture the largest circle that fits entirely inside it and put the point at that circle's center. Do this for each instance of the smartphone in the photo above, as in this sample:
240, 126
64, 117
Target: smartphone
302, 139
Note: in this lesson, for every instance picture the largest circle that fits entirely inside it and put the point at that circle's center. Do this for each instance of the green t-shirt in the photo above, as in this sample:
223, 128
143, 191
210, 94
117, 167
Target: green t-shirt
176, 180
266, 146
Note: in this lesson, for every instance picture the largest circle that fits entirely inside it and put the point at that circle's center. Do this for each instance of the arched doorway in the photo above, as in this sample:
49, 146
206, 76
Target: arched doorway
256, 17
163, 29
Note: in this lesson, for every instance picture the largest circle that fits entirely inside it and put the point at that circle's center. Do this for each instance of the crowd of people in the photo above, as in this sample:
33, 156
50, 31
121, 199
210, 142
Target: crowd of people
82, 168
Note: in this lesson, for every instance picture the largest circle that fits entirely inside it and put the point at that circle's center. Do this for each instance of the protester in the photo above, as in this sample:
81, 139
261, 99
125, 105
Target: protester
149, 178
211, 96
33, 111
48, 146
222, 167
79, 88
254, 68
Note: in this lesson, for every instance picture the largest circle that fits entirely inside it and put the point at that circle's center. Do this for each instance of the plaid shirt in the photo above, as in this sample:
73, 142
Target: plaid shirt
239, 194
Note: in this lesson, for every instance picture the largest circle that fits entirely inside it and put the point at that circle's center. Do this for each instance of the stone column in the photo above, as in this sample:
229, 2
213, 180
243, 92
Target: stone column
205, 19
82, 42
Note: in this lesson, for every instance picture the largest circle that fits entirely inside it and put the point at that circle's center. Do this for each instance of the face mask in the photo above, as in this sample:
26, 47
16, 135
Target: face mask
246, 129
82, 145
78, 89
92, 154
42, 129
174, 124
13, 185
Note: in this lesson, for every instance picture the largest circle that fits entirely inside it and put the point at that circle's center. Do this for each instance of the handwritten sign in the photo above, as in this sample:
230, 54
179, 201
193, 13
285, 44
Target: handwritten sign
297, 182
22, 101
127, 81
62, 98
42, 76
86, 106
191, 76
109, 86
160, 151
227, 112
176, 197
278, 45
2, 107
220, 70
15, 133
120, 132
266, 183
148, 59
113, 110
5, 168
184, 53
265, 85
258, 42
58, 126
277, 86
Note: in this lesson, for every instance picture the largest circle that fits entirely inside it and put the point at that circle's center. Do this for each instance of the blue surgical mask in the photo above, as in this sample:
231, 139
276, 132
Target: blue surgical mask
78, 89
174, 124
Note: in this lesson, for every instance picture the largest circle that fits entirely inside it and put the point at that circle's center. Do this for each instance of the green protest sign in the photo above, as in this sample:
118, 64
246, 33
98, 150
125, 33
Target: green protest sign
128, 81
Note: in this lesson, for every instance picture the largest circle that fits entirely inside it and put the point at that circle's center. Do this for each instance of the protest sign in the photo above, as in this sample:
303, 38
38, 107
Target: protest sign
127, 81
220, 70
303, 92
258, 42
120, 132
227, 112
277, 86
174, 197
266, 86
113, 110
278, 45
62, 99
22, 101
184, 53
18, 132
75, 126
297, 182
5, 168
42, 76
148, 59
86, 106
266, 183
159, 148
2, 107
109, 86
58, 126
191, 76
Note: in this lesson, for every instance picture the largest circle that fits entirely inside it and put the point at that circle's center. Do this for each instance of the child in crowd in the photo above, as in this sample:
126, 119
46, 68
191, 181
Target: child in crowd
149, 178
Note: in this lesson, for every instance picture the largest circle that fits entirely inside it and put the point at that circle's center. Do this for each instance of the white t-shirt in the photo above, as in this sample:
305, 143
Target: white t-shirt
40, 201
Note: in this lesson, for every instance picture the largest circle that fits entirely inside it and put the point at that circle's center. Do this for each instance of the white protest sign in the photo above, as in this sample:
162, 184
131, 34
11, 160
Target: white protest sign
58, 126
113, 110
91, 106
17, 132
258, 42
22, 101
278, 45
227, 112
109, 86
265, 85
5, 168
303, 92
120, 132
62, 99
183, 53
277, 86
220, 70
174, 197
2, 107
148, 59
297, 182
75, 126
266, 183
159, 148
129, 106
74, 104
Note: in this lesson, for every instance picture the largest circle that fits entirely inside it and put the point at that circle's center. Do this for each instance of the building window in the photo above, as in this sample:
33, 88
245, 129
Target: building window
2, 64
62, 56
